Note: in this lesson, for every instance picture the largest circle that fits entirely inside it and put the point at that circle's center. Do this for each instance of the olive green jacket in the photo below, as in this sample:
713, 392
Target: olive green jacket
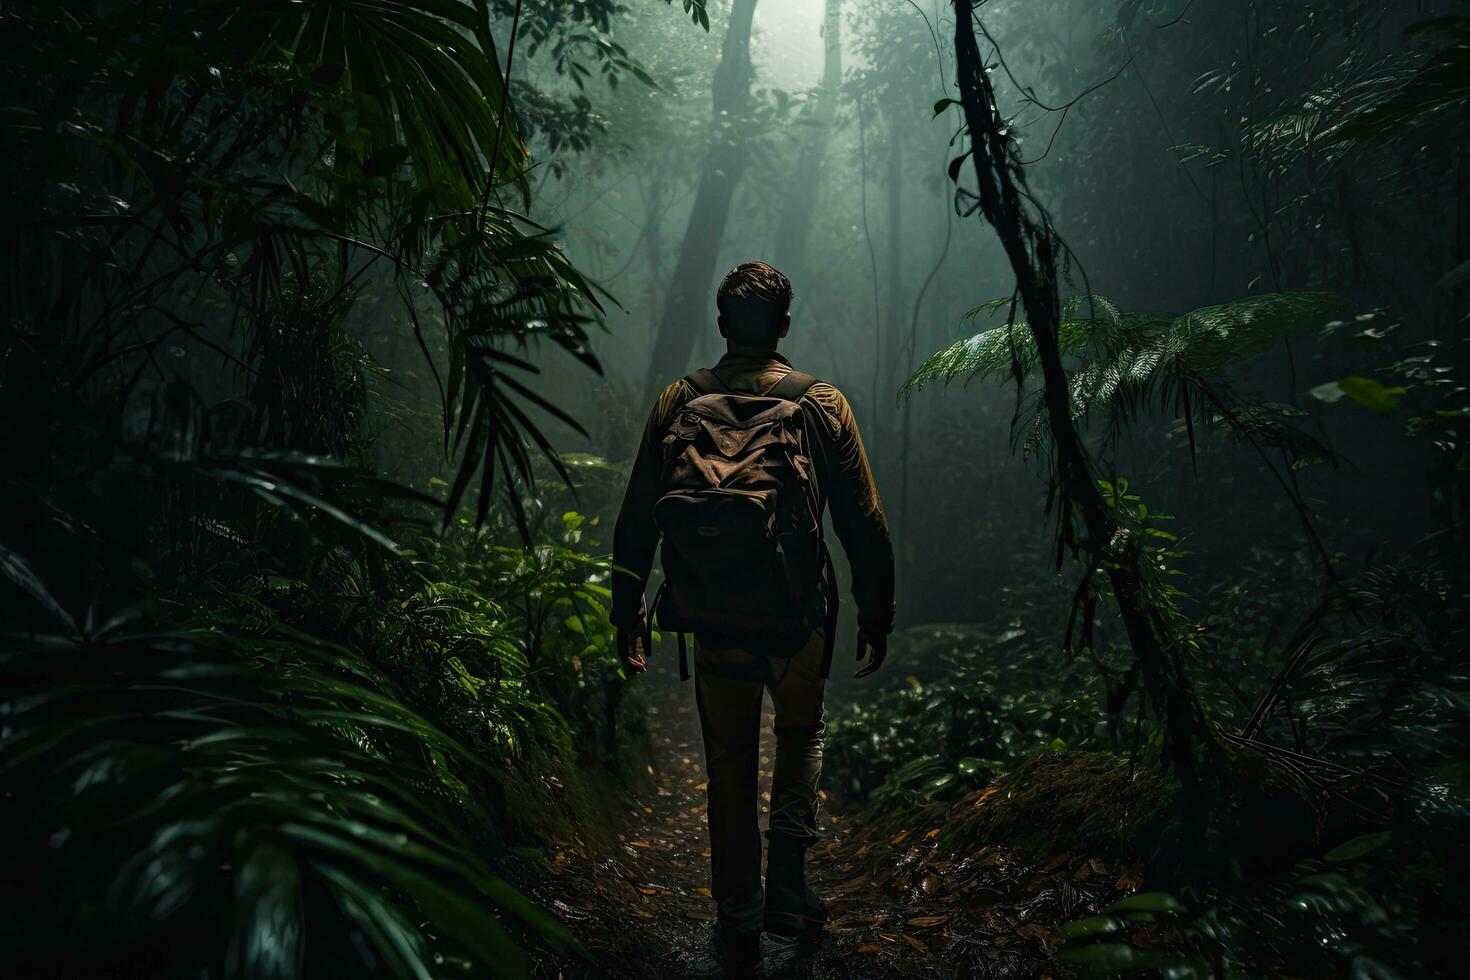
844, 484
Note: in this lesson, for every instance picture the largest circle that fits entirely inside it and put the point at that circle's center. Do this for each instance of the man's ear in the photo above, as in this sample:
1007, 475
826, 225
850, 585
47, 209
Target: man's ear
785, 326
720, 322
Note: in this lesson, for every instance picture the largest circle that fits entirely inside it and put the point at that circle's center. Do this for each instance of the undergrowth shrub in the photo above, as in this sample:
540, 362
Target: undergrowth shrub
976, 701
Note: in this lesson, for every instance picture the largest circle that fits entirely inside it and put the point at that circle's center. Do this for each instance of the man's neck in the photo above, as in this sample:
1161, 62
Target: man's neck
733, 349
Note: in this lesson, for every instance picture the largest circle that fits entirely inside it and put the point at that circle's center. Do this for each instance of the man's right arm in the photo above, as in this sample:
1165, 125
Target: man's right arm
635, 538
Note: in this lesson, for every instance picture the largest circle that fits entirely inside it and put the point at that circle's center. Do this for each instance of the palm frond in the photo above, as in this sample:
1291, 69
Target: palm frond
266, 794
390, 114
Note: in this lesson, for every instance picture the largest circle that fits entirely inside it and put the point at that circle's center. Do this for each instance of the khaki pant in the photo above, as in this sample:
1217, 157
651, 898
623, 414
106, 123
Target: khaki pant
729, 687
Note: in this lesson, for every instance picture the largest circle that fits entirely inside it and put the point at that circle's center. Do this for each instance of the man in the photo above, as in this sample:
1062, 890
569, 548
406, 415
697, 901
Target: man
737, 661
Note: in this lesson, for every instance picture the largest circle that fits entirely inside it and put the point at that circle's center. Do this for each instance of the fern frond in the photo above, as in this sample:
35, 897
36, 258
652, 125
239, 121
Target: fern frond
1214, 339
1130, 360
983, 355
1360, 103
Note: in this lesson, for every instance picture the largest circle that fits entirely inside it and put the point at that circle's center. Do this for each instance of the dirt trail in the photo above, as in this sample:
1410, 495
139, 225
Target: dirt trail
898, 908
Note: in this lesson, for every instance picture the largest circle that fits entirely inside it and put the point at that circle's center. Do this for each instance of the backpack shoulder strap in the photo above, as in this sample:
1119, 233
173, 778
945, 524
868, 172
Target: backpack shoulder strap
706, 382
791, 387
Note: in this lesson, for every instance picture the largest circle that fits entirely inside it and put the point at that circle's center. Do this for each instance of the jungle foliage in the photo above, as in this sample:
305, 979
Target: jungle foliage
262, 718
321, 321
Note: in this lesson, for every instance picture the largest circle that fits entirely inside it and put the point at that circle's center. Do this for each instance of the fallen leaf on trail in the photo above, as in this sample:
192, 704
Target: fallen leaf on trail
648, 809
1032, 930
639, 843
1149, 937
649, 891
702, 891
917, 944
989, 794
1130, 880
900, 837
887, 938
870, 948
925, 921
1097, 866
933, 833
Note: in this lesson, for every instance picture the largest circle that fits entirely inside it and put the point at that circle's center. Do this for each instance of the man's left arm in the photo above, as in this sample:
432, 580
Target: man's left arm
861, 525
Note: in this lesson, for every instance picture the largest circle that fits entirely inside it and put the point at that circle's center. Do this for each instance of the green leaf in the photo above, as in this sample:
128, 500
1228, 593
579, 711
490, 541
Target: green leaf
1372, 395
1160, 902
938, 785
18, 570
1089, 928
1359, 846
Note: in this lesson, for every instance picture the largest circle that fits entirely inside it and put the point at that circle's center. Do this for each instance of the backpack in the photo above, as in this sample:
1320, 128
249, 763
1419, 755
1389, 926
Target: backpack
740, 517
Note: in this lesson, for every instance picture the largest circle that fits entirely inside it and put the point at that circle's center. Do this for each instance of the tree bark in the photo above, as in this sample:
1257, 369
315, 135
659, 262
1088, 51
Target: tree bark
1029, 247
893, 315
686, 311
801, 203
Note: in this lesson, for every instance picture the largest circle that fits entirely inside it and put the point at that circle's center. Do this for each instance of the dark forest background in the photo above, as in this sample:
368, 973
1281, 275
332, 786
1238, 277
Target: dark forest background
329, 328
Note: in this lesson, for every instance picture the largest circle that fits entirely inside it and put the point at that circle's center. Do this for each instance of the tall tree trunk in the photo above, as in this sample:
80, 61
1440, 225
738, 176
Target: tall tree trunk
801, 203
685, 311
1029, 243
893, 314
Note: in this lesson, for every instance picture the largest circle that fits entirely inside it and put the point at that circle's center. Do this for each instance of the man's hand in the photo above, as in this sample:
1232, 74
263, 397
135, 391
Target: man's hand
631, 649
874, 648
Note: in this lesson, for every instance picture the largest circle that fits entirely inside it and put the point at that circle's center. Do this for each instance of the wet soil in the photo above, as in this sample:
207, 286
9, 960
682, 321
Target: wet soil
901, 905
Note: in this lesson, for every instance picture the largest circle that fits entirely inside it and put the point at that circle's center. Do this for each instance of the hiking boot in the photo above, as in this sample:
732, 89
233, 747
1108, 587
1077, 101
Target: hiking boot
736, 954
792, 909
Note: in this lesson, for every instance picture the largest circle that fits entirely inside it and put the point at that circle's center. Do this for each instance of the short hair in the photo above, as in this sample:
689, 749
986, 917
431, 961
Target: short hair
753, 298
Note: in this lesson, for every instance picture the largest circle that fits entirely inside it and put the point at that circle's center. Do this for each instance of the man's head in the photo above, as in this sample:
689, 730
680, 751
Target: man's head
753, 300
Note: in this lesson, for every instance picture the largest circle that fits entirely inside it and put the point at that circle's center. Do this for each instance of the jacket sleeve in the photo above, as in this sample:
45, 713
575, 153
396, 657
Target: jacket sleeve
635, 538
857, 513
